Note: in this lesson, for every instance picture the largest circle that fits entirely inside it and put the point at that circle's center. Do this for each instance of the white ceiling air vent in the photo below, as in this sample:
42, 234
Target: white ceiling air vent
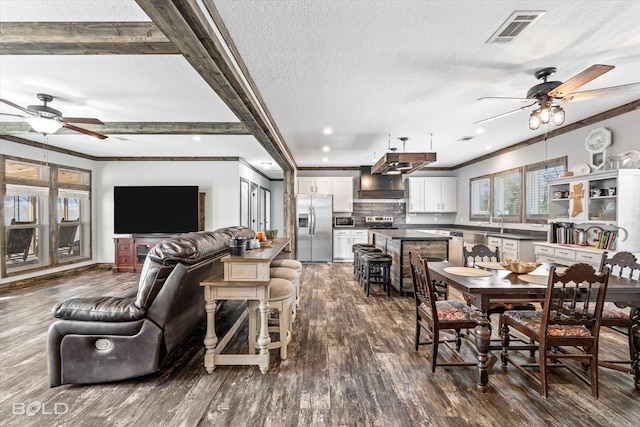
514, 25
465, 138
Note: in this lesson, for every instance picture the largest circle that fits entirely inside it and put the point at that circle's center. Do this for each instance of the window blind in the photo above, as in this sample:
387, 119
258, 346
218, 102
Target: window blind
536, 187
506, 193
480, 195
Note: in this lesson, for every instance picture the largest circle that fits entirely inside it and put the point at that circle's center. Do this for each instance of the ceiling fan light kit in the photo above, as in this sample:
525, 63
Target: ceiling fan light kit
44, 125
547, 113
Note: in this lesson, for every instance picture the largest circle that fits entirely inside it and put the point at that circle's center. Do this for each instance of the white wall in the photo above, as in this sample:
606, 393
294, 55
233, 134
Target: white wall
277, 207
220, 181
624, 129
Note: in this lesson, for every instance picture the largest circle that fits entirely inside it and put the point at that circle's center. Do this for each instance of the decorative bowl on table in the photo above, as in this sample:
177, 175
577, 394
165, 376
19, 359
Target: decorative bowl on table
266, 243
518, 266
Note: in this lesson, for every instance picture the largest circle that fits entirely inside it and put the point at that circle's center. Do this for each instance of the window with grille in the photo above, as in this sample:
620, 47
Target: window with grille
28, 187
507, 194
537, 176
480, 198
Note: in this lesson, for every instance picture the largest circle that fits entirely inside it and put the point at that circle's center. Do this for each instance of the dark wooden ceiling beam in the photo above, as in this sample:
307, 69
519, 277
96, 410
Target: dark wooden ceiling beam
144, 128
191, 31
83, 38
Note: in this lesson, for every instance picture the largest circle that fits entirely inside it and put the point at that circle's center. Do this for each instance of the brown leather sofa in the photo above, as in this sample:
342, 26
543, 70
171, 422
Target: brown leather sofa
107, 338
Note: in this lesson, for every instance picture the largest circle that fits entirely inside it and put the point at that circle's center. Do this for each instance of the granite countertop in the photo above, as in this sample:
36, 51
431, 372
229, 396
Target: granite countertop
517, 236
408, 234
526, 235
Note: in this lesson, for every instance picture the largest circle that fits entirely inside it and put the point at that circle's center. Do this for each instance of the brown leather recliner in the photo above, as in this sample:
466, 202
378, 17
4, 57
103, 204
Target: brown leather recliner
103, 339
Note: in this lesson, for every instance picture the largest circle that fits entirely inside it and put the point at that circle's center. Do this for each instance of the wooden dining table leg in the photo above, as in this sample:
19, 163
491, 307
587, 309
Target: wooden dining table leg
635, 330
483, 341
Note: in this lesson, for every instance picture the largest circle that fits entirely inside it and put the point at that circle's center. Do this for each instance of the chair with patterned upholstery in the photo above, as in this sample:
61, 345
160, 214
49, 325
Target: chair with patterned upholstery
434, 315
619, 315
581, 291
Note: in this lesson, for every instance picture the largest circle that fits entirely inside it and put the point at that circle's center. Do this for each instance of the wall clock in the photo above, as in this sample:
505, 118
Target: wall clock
596, 143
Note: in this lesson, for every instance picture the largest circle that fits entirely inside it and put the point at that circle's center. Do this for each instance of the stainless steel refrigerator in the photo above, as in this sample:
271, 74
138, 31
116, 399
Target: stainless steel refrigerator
314, 222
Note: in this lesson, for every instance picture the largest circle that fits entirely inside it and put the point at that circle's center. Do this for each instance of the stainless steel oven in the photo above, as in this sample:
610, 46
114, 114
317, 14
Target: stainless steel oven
344, 221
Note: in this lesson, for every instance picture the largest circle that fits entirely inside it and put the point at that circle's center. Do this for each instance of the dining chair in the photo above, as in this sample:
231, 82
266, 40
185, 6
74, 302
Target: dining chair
482, 252
434, 315
618, 315
580, 289
479, 252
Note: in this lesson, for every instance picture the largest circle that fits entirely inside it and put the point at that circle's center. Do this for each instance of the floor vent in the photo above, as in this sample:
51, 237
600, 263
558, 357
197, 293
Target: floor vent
514, 25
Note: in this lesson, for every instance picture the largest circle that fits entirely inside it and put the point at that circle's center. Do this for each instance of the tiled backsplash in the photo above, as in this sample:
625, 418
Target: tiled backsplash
395, 209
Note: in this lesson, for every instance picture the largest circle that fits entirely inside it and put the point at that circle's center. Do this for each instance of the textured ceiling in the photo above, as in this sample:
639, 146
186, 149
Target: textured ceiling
366, 69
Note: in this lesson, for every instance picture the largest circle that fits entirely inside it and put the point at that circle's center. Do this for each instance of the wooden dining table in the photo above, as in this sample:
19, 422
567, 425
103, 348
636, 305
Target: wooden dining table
500, 285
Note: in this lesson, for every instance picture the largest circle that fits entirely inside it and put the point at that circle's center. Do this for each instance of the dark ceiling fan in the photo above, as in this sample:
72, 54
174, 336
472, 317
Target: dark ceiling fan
546, 94
45, 119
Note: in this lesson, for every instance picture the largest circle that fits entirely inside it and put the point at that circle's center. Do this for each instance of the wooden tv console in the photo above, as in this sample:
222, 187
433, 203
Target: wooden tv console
130, 252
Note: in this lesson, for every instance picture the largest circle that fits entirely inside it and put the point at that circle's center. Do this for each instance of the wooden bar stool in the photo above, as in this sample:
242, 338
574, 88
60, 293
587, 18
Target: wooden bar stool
353, 249
357, 259
293, 265
281, 299
376, 269
292, 276
288, 263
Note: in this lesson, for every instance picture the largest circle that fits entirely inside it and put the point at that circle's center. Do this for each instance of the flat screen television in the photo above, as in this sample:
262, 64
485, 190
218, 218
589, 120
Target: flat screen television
155, 209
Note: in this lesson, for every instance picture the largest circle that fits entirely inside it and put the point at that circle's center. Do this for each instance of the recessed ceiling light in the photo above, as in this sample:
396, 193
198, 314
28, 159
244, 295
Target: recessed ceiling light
327, 131
326, 148
488, 147
266, 164
324, 159
479, 131
196, 138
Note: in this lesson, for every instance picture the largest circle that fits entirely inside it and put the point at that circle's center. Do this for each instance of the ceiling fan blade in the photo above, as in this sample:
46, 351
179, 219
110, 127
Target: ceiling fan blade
85, 120
506, 98
31, 113
14, 115
85, 131
505, 114
601, 93
580, 79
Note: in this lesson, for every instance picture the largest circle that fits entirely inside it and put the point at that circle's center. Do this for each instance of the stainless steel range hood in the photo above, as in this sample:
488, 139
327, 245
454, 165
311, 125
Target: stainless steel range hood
379, 186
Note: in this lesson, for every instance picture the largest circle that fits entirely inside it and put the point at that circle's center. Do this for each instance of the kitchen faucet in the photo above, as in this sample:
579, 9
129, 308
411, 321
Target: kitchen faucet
501, 219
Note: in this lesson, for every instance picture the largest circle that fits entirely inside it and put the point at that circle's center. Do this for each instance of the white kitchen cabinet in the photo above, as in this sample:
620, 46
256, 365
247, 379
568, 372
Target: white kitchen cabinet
433, 194
342, 194
342, 242
319, 185
416, 195
563, 255
513, 248
341, 188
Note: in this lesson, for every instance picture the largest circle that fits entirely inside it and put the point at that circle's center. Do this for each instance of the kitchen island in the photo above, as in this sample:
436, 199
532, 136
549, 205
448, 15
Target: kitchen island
398, 244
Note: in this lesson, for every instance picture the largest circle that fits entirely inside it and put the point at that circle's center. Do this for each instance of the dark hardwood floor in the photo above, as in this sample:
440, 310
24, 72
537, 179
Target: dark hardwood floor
351, 363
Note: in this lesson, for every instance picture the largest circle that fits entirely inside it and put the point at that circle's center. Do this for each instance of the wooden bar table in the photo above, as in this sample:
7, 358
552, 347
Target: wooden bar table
245, 278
